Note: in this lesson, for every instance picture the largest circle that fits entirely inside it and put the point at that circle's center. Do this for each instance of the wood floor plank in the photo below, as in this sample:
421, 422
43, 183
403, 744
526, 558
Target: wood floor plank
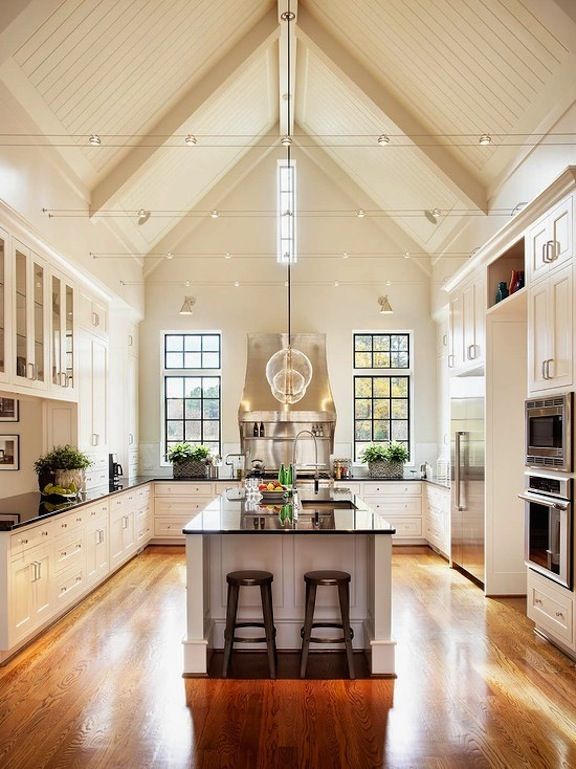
476, 689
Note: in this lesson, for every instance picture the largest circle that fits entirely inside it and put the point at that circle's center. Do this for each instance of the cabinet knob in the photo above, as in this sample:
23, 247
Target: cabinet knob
538, 601
560, 614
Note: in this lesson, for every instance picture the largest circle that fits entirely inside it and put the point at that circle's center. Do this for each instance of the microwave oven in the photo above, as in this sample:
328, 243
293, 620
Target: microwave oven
549, 432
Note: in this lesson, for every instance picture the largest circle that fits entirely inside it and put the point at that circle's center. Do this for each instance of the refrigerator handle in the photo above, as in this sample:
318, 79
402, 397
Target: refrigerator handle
457, 471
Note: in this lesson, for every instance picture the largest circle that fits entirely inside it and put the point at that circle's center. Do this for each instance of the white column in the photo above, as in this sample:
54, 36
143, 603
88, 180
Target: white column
382, 646
195, 644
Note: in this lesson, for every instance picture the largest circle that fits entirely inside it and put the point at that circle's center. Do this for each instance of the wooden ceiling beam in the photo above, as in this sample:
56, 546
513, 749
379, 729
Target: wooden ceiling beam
435, 155
260, 36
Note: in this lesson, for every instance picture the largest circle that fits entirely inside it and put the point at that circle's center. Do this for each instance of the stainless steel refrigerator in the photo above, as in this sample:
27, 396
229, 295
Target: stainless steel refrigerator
467, 513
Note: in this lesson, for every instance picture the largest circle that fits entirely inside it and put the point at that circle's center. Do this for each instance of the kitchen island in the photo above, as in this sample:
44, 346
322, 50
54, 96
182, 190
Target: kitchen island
330, 530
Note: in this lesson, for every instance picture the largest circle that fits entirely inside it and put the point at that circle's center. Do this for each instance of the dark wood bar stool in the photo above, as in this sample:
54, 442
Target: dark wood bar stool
250, 578
341, 580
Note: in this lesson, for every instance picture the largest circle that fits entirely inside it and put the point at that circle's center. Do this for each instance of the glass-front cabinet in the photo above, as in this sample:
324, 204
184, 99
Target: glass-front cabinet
3, 306
62, 333
31, 349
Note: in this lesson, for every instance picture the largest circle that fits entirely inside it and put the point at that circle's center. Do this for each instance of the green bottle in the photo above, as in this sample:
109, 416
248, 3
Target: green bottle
282, 474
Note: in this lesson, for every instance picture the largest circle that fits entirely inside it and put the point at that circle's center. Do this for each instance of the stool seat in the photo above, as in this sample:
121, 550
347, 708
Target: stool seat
250, 578
327, 578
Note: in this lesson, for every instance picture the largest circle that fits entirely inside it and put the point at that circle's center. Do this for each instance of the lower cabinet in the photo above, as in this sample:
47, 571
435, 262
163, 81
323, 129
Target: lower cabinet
175, 503
30, 592
552, 609
400, 502
436, 517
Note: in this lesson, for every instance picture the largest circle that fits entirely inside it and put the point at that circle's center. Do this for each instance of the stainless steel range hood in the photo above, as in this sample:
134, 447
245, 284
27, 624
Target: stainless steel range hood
315, 412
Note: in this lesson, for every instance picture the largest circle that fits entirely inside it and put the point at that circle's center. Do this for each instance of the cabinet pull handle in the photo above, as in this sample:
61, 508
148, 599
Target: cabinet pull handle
23, 541
548, 362
560, 614
538, 601
95, 319
451, 360
30, 374
94, 439
544, 369
545, 257
553, 250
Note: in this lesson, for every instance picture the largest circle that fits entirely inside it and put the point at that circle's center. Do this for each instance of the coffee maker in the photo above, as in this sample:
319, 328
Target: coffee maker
114, 472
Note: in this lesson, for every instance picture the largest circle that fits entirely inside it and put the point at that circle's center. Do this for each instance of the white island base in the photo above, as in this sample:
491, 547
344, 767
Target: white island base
288, 555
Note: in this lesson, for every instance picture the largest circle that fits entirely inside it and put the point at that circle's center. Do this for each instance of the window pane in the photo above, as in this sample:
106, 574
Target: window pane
400, 409
211, 409
399, 341
381, 341
214, 446
211, 387
399, 360
399, 386
193, 387
193, 342
363, 409
210, 360
381, 430
360, 448
381, 360
363, 360
174, 408
363, 387
174, 387
381, 387
362, 342
193, 408
363, 430
193, 431
399, 430
175, 430
381, 409
174, 342
174, 360
211, 430
211, 343
192, 360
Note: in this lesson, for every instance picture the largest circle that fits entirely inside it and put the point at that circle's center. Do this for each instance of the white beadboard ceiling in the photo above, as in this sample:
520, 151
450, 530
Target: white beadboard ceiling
452, 67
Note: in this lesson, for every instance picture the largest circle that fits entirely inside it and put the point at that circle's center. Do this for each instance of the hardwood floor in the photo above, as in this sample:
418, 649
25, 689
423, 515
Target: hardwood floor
475, 688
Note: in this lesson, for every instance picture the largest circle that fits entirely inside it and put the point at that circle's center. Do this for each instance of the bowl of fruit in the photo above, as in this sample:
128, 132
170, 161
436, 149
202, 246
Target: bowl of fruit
273, 491
59, 494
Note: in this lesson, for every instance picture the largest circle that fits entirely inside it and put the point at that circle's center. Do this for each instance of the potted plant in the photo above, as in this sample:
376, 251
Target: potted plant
188, 461
64, 467
385, 461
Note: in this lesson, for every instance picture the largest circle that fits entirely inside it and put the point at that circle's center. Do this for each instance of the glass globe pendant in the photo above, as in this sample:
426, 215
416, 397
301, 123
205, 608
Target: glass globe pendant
289, 372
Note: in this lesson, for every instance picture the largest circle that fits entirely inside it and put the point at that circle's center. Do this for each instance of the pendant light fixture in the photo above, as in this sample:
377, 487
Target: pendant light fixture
289, 370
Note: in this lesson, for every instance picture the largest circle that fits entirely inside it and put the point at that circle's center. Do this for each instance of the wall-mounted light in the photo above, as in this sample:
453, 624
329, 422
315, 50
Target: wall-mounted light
143, 216
385, 306
188, 305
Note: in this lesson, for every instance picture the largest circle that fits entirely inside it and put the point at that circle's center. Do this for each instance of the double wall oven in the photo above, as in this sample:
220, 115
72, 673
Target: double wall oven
548, 493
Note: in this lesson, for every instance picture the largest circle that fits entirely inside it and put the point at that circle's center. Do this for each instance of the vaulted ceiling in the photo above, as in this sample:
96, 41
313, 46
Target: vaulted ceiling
431, 75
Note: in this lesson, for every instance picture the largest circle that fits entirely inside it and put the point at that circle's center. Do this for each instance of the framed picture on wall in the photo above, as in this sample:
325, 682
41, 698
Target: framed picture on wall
9, 452
9, 410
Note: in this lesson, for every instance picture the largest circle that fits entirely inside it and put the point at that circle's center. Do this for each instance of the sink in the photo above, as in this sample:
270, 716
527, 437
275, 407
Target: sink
326, 504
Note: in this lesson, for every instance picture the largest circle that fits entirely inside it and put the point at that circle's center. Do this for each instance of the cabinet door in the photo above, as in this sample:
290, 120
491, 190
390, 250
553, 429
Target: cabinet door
31, 319
561, 233
4, 307
62, 334
559, 367
20, 597
538, 340
97, 551
536, 256
132, 401
99, 393
41, 587
455, 332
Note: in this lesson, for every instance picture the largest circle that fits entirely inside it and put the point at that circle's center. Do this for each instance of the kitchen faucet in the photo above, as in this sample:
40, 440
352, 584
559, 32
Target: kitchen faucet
316, 477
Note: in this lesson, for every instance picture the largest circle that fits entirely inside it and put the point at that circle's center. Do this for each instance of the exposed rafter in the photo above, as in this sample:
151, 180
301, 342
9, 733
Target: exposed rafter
213, 198
260, 36
436, 156
360, 198
286, 94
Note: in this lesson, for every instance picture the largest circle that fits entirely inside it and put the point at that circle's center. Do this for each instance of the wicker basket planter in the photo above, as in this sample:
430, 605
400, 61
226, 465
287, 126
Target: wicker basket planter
385, 469
65, 478
192, 468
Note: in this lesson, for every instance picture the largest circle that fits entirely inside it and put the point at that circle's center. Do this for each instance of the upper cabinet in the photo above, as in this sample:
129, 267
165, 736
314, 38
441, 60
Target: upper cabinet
550, 241
4, 308
31, 320
466, 325
62, 328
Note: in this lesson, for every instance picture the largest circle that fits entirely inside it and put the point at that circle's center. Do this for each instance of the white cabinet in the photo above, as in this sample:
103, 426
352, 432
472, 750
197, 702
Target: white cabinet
5, 305
466, 325
97, 543
551, 334
175, 503
62, 340
400, 503
29, 591
93, 394
550, 241
436, 517
93, 315
30, 319
551, 607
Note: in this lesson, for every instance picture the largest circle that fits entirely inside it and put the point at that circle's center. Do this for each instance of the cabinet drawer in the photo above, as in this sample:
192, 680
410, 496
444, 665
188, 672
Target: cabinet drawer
341, 486
143, 494
27, 538
96, 478
185, 508
551, 607
407, 527
184, 489
438, 497
68, 550
71, 521
170, 526
393, 489
395, 506
96, 512
68, 585
126, 501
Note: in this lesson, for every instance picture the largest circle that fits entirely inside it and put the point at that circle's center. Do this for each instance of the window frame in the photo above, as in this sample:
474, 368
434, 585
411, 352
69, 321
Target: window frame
212, 373
389, 373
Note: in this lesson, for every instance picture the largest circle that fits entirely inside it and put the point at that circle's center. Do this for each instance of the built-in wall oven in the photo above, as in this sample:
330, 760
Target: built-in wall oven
549, 432
549, 526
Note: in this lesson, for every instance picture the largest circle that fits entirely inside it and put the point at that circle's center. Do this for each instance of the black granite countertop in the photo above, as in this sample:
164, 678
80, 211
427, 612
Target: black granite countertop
331, 512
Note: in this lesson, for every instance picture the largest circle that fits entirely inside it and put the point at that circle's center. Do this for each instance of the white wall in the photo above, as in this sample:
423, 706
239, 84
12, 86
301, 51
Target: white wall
336, 311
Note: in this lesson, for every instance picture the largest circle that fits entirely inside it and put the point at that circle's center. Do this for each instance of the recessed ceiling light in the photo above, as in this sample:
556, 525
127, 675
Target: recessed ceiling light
190, 139
286, 141
382, 140
485, 139
143, 216
360, 213
95, 140
214, 213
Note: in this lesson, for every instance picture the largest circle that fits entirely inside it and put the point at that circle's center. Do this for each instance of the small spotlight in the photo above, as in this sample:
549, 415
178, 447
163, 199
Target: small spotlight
143, 216
214, 213
383, 140
286, 141
95, 140
191, 140
385, 306
360, 213
485, 139
188, 305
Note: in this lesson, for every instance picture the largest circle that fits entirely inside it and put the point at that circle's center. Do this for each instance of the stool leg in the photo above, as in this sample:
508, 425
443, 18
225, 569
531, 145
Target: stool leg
308, 619
231, 610
344, 596
266, 594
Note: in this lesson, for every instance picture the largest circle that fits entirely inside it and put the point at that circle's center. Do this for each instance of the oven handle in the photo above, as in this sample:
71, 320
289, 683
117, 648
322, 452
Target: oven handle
546, 501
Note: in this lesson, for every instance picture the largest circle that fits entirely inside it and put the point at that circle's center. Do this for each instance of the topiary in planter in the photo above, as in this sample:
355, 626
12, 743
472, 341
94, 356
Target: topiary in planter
188, 461
64, 466
385, 461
